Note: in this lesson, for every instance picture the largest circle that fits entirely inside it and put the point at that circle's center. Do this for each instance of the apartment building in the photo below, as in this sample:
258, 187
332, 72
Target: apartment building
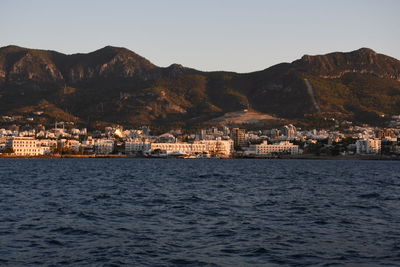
267, 149
136, 145
368, 146
25, 146
103, 146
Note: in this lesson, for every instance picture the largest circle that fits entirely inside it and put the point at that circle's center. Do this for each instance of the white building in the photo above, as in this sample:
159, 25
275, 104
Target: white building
136, 145
103, 146
221, 148
182, 148
368, 146
265, 149
25, 146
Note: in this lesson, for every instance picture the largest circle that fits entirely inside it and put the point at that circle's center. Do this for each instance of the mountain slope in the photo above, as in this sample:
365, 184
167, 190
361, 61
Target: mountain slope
115, 85
363, 60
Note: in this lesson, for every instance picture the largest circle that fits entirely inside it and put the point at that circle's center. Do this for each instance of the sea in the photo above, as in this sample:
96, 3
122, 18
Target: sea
199, 212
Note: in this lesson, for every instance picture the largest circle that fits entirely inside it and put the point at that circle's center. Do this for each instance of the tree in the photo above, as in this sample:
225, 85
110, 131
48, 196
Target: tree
7, 150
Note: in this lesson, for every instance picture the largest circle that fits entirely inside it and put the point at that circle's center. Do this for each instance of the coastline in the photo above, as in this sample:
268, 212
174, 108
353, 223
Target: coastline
285, 157
61, 156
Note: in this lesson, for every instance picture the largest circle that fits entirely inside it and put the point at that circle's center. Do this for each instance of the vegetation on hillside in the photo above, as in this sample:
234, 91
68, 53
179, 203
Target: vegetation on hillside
115, 85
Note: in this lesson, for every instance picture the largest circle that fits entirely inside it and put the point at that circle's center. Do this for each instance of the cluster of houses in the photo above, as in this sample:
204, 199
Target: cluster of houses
213, 142
207, 143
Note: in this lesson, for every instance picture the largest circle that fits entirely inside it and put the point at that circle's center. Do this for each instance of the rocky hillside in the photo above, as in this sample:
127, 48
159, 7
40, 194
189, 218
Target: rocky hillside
336, 65
115, 85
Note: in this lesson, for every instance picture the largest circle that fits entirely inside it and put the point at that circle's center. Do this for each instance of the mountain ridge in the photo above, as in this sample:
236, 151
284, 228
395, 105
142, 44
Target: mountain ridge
116, 85
329, 64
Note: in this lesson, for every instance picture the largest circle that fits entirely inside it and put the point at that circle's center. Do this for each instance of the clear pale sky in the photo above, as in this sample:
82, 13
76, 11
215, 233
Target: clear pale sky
230, 35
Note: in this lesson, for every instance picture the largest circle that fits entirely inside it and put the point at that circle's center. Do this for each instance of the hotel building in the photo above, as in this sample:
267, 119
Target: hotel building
265, 149
25, 146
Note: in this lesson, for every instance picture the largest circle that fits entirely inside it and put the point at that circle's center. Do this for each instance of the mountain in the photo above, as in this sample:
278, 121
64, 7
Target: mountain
364, 60
116, 85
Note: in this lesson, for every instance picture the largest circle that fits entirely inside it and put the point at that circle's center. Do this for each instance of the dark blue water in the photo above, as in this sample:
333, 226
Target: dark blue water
142, 212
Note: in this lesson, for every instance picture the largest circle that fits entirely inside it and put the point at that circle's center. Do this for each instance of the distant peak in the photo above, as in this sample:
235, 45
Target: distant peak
113, 54
113, 49
175, 69
365, 50
12, 48
306, 57
176, 66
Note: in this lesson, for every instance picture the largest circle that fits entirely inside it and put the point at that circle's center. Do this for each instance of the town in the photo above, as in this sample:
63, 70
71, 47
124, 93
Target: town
64, 140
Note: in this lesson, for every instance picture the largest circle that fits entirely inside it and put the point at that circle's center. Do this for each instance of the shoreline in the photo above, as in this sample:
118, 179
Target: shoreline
284, 157
61, 156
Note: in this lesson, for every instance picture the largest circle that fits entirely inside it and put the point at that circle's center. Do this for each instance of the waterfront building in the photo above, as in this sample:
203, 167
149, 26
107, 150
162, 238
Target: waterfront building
220, 148
368, 146
103, 146
25, 146
182, 148
264, 148
88, 145
137, 145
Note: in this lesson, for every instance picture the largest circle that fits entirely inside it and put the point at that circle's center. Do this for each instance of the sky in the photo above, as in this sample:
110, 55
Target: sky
208, 35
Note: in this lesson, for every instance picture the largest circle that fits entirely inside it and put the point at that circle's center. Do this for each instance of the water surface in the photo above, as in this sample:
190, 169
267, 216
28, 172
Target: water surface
143, 212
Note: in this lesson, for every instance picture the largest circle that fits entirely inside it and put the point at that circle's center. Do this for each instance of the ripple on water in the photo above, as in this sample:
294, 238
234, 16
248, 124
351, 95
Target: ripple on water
115, 212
